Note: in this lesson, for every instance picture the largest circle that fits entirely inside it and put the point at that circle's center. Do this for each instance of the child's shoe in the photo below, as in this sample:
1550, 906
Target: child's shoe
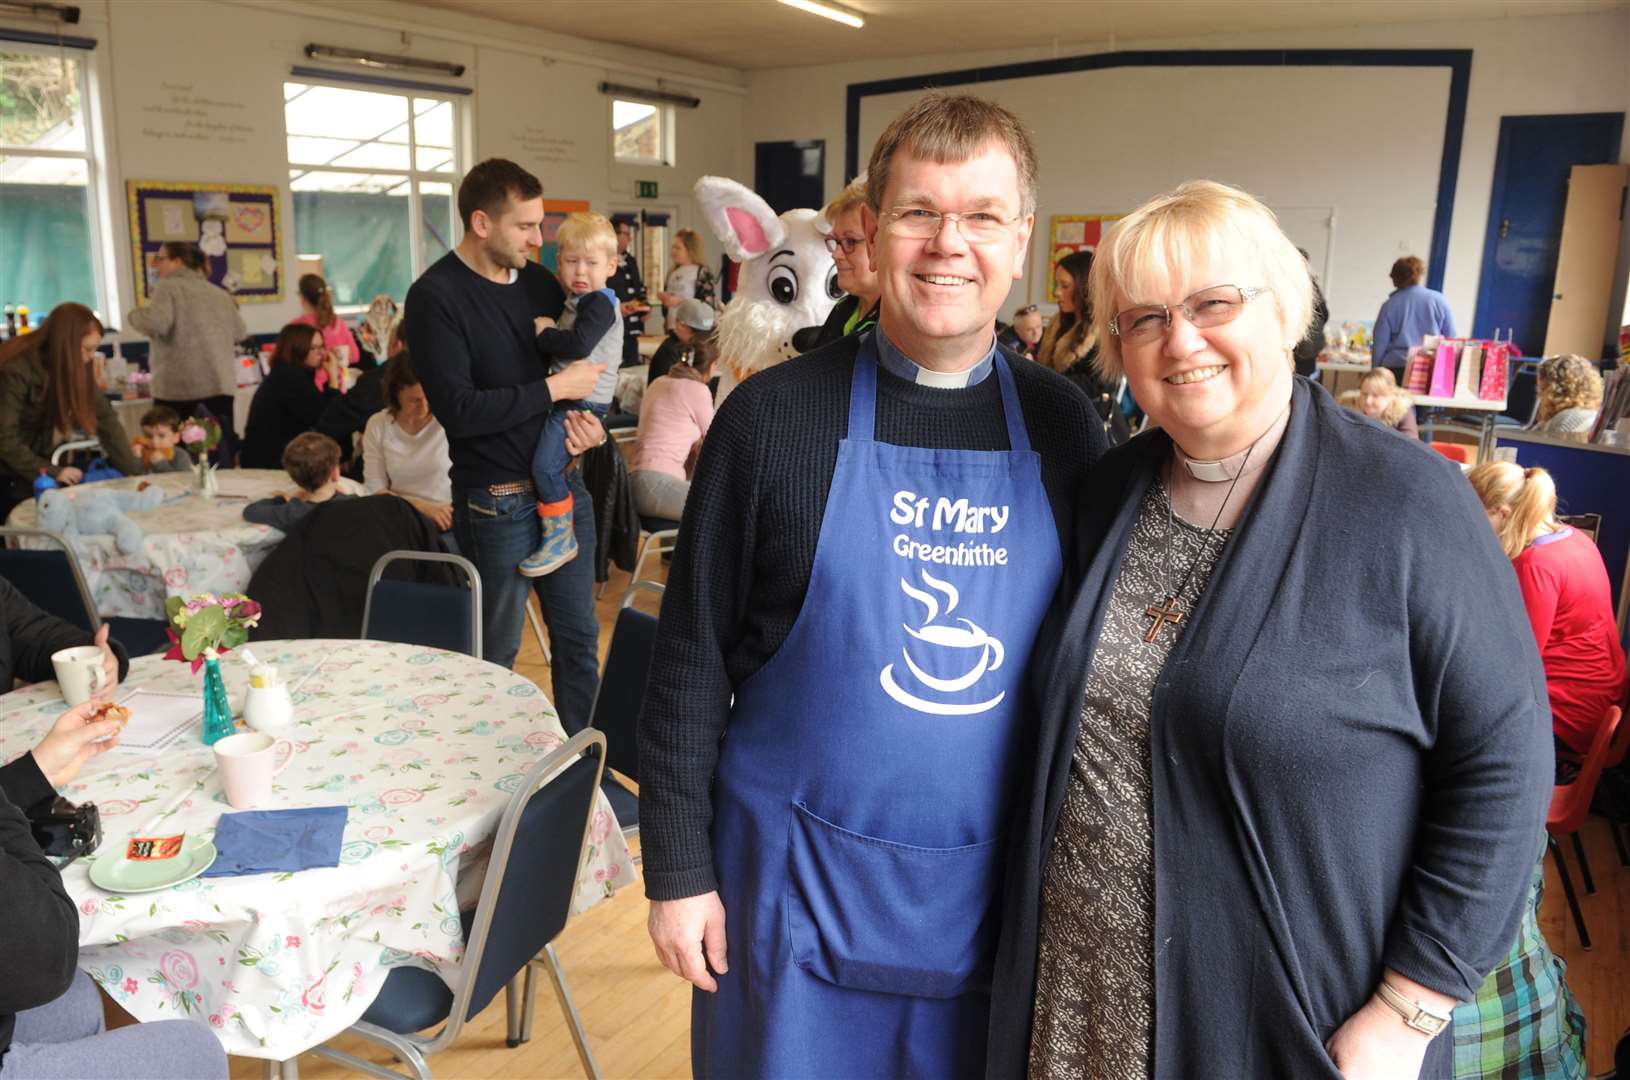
559, 545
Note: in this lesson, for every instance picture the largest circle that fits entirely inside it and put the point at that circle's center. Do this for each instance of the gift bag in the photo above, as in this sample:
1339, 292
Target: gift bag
1443, 369
1471, 369
1496, 361
1418, 370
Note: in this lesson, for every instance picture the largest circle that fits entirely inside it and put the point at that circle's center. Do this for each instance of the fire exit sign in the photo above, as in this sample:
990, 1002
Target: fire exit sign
645, 189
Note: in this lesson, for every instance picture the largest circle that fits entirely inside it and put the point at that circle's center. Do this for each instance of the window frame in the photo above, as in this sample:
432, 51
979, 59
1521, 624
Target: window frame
97, 184
413, 175
665, 132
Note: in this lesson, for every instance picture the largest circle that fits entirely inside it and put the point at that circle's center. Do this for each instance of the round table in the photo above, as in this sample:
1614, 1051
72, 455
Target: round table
423, 746
192, 544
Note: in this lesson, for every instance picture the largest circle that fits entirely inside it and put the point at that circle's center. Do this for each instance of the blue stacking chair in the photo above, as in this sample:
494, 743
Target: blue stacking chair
524, 903
420, 613
617, 703
51, 579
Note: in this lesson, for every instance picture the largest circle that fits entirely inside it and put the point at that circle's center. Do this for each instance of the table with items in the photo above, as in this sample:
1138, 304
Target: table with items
422, 748
191, 543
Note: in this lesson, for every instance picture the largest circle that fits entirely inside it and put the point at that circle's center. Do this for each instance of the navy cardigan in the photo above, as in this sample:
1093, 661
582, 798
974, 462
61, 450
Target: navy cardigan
1351, 748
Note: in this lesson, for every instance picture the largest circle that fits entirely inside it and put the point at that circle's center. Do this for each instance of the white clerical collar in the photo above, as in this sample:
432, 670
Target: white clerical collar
899, 364
513, 273
1225, 469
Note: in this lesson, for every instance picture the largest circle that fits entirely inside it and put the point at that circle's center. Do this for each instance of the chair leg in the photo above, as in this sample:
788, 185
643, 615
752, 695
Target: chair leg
1567, 891
1584, 865
574, 1023
1619, 829
512, 1012
535, 617
529, 997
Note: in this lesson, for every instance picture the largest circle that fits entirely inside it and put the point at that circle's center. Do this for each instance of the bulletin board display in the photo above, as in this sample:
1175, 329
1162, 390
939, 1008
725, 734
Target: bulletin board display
555, 212
1071, 233
234, 224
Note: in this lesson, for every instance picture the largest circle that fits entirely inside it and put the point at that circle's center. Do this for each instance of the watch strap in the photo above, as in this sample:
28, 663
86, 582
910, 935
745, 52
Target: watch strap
1423, 1019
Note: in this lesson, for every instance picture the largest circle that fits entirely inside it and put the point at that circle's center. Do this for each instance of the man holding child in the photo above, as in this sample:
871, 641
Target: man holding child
470, 326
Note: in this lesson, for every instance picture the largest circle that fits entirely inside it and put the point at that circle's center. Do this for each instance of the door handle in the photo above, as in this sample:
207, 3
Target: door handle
1505, 228
1556, 296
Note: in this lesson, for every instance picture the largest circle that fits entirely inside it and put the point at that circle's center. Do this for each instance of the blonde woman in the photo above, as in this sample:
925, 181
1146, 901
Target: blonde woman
856, 276
690, 277
1381, 399
1570, 396
1279, 827
1566, 591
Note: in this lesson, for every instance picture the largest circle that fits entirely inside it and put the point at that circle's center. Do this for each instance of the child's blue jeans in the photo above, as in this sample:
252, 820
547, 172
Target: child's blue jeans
550, 459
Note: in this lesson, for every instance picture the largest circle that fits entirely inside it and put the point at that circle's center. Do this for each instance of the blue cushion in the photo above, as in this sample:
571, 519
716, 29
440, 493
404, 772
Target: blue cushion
412, 998
415, 613
624, 803
138, 636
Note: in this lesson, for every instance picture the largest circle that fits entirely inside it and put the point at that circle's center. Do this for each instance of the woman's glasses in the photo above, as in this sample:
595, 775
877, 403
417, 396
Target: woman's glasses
1207, 308
848, 244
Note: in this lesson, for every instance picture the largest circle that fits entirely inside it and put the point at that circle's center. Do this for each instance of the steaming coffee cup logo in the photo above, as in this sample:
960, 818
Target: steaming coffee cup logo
965, 635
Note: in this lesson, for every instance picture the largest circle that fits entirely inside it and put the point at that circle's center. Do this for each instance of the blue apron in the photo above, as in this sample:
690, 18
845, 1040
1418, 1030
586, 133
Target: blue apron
867, 769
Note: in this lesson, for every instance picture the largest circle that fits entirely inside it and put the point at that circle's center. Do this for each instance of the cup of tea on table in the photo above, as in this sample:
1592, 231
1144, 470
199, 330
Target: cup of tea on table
247, 763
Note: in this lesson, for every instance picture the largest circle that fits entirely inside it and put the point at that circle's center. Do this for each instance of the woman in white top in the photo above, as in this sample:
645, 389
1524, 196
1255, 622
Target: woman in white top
404, 449
689, 279
674, 417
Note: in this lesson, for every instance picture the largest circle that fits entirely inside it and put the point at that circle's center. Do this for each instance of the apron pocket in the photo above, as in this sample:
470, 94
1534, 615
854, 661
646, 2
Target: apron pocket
870, 914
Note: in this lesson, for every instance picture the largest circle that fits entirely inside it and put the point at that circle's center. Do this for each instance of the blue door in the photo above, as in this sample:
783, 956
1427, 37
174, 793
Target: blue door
1525, 217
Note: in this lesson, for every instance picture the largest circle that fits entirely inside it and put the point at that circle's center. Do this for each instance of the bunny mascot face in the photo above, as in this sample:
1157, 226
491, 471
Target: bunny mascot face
788, 281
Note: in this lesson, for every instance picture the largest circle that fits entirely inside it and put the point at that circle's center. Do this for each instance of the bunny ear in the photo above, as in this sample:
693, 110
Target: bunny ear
743, 222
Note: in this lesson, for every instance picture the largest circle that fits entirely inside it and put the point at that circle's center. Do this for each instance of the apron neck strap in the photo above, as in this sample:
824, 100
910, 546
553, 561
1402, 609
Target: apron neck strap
863, 397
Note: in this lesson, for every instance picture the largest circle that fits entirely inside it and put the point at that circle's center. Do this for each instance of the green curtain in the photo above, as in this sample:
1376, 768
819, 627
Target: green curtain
362, 238
45, 257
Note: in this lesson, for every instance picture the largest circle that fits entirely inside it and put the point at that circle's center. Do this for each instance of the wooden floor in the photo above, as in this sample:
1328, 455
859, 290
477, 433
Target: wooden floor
637, 1015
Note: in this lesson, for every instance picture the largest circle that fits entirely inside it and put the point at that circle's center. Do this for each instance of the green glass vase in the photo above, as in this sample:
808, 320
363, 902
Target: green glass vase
217, 709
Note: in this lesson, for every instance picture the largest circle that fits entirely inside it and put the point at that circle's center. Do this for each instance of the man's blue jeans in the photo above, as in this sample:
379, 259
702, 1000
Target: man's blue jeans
496, 533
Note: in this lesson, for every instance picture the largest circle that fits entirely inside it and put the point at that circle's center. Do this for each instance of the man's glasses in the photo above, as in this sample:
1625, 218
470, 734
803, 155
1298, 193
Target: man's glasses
1207, 308
921, 223
833, 243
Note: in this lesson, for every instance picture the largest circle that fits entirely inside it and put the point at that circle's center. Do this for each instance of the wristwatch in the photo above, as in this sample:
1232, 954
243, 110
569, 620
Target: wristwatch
1418, 1016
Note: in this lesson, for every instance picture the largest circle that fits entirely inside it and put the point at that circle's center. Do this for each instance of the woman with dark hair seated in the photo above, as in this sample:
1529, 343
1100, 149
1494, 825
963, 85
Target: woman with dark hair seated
674, 418
49, 390
289, 402
404, 449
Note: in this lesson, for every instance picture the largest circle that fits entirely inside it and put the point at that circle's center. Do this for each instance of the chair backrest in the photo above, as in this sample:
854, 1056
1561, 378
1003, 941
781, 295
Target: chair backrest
1619, 747
532, 873
73, 447
622, 684
1570, 803
49, 578
423, 613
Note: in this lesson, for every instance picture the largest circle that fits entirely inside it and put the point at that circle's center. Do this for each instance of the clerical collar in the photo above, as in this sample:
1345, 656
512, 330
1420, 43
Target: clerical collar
513, 273
898, 363
1220, 472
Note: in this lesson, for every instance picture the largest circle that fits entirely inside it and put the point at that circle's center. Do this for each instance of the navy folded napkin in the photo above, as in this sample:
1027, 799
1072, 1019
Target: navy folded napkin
268, 841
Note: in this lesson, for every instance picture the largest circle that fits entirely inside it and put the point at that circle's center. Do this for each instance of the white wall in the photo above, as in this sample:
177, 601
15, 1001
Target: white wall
1560, 64
1134, 131
192, 91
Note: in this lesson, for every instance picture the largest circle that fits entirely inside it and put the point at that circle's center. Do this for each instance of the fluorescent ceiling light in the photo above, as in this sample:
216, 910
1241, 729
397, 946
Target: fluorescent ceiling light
835, 12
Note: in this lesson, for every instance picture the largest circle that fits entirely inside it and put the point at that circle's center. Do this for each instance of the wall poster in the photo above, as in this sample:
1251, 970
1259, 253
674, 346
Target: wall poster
1071, 233
234, 224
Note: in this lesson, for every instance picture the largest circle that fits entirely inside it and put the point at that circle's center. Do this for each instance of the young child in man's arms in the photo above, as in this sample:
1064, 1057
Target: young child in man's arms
590, 329
312, 461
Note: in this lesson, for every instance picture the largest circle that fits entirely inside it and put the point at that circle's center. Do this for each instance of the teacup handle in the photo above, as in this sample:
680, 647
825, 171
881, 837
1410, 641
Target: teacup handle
96, 676
284, 749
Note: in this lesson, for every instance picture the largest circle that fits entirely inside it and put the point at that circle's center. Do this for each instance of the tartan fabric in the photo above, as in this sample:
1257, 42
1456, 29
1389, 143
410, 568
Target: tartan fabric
1524, 1024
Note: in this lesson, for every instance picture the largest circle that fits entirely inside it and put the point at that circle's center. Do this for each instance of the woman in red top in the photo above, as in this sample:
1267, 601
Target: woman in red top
1565, 589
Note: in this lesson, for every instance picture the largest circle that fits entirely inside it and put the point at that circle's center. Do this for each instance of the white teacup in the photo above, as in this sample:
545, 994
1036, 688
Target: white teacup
79, 672
247, 762
966, 636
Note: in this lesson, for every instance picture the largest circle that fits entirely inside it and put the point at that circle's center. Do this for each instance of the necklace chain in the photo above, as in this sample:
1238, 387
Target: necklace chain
1170, 612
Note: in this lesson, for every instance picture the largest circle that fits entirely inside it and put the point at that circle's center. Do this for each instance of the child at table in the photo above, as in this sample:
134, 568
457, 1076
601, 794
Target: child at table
312, 461
590, 329
159, 446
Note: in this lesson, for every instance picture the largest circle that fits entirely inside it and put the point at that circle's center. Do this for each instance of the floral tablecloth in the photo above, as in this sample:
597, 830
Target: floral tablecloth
424, 747
192, 544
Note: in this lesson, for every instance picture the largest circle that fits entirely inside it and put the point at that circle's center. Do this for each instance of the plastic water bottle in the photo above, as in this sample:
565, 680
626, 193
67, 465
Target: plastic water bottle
42, 484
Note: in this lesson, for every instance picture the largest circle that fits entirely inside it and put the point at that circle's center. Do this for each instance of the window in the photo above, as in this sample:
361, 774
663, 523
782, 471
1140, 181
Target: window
365, 166
641, 133
46, 165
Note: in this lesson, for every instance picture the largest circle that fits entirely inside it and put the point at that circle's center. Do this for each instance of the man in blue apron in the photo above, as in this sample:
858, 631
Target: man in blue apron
837, 711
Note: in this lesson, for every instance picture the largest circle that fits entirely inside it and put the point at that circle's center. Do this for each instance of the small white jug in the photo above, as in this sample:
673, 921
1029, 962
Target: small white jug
268, 706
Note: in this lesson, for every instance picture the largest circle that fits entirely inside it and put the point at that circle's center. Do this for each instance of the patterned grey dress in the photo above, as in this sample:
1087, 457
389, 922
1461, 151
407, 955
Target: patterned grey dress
1095, 993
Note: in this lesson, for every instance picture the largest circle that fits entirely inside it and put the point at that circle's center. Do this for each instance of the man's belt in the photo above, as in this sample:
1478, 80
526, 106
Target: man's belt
510, 487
